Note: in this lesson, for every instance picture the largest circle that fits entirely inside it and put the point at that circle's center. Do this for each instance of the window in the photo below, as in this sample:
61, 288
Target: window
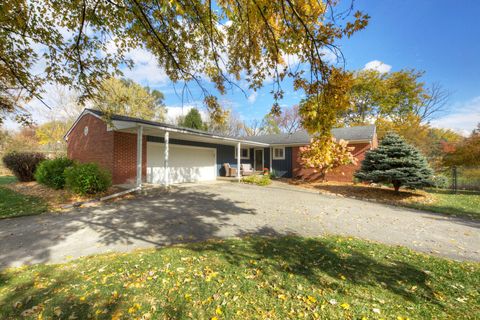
278, 153
244, 153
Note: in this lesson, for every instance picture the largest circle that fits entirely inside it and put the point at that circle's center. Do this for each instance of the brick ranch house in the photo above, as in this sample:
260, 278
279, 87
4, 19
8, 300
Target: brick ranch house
138, 151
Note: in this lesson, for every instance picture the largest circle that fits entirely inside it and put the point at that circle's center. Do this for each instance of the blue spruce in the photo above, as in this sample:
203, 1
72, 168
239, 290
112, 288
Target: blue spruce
395, 162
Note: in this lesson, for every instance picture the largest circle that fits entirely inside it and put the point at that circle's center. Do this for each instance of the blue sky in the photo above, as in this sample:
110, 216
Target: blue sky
441, 38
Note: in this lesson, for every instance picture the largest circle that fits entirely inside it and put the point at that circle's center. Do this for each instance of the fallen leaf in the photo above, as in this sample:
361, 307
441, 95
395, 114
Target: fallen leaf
345, 306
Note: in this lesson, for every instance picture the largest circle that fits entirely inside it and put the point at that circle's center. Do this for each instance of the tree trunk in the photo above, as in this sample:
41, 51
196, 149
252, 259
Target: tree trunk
396, 185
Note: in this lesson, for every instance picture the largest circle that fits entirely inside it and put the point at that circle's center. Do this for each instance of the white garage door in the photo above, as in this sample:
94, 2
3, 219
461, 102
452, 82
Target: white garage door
186, 164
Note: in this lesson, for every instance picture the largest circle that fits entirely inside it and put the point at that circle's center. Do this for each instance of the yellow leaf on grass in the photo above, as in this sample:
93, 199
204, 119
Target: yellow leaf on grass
57, 311
218, 311
117, 315
312, 299
282, 297
345, 306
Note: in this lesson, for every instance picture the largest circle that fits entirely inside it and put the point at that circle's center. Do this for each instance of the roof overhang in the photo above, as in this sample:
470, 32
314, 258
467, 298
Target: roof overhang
159, 131
178, 133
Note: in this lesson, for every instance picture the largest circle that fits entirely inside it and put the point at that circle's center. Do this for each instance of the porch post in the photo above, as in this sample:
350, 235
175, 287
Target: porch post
238, 160
165, 163
271, 167
139, 155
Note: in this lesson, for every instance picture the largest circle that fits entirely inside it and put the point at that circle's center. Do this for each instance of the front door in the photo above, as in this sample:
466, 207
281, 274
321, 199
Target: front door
258, 159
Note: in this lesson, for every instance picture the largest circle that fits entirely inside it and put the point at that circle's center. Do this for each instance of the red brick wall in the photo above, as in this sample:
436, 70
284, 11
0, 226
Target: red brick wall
114, 151
342, 173
125, 158
96, 146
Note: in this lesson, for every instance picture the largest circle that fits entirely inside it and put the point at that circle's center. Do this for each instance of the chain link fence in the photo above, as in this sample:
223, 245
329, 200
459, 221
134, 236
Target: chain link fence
464, 178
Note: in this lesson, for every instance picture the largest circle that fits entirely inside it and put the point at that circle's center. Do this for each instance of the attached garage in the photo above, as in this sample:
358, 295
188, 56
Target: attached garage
185, 163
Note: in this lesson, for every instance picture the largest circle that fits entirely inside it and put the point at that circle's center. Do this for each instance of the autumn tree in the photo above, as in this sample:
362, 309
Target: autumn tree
466, 152
396, 162
323, 159
331, 104
287, 121
232, 125
393, 96
125, 97
83, 43
4, 140
23, 140
50, 135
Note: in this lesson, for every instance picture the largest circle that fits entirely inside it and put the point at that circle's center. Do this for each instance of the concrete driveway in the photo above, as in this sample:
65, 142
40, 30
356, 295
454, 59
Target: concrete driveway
225, 209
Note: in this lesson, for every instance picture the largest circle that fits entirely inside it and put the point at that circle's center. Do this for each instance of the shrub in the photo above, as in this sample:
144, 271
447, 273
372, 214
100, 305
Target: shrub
87, 178
440, 181
23, 164
51, 172
262, 180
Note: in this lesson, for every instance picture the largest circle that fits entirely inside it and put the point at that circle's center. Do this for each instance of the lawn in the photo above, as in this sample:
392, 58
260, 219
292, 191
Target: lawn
30, 198
254, 278
14, 204
462, 204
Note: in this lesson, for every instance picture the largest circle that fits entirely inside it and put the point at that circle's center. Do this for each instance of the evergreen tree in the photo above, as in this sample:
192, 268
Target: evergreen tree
193, 120
395, 162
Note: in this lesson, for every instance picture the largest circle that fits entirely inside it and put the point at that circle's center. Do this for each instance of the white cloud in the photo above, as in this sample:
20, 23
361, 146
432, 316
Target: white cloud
378, 66
463, 119
173, 112
253, 97
146, 69
328, 56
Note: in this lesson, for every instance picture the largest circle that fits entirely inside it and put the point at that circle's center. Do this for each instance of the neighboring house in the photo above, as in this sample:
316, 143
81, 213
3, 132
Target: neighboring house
171, 154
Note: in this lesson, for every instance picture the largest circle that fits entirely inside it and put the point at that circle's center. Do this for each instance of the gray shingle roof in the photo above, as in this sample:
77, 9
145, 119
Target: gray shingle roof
300, 137
362, 133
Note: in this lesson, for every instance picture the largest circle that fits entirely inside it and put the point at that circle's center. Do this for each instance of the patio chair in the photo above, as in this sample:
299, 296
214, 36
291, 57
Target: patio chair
246, 169
229, 171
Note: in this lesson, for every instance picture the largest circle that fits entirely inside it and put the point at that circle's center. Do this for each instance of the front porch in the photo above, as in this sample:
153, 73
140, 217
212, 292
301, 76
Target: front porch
170, 155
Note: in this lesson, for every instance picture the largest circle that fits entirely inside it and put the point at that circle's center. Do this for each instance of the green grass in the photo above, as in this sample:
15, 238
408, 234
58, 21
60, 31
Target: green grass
259, 180
14, 204
7, 179
460, 204
253, 278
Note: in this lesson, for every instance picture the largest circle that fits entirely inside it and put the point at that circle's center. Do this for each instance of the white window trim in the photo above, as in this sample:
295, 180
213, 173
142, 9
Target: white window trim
241, 157
278, 158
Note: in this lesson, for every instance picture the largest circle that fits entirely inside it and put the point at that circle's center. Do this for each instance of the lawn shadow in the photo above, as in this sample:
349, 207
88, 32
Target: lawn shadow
315, 258
156, 218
